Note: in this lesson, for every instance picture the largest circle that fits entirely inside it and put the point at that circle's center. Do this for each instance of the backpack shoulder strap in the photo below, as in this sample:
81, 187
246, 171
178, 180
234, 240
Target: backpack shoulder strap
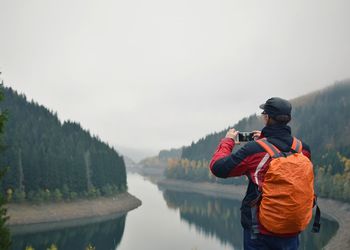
269, 148
316, 226
297, 146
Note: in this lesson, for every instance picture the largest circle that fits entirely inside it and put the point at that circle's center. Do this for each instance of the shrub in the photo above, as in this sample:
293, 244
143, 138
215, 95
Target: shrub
52, 247
45, 194
31, 195
57, 195
65, 192
73, 195
92, 192
19, 196
107, 190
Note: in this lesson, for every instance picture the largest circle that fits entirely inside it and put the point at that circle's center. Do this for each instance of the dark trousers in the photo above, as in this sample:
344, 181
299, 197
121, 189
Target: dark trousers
267, 242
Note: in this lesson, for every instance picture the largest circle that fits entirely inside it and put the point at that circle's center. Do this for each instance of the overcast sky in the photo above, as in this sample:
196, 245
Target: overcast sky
157, 74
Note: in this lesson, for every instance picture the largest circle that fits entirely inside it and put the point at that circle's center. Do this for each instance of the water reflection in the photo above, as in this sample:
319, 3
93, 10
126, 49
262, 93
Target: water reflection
103, 235
220, 217
167, 219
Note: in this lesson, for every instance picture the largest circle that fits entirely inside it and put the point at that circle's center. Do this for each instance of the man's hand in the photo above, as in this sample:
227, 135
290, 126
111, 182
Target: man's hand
256, 134
232, 133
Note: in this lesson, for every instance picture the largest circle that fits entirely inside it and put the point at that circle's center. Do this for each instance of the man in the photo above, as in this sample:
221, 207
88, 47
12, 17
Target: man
253, 161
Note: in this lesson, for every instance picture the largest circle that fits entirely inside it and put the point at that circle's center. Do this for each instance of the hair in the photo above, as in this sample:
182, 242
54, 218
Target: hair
279, 119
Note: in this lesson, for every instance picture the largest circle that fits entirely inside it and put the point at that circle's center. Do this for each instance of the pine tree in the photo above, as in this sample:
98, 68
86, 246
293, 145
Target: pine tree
5, 239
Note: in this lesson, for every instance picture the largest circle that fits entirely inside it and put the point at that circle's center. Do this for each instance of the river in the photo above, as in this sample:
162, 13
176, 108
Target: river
166, 220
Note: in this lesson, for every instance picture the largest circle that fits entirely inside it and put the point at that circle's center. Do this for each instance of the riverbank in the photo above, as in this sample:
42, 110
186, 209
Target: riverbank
48, 213
335, 210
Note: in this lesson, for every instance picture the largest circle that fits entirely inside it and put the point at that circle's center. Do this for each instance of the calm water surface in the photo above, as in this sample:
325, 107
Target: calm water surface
166, 220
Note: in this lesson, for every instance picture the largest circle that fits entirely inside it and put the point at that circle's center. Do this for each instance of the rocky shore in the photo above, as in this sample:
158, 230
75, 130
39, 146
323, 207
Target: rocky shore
45, 215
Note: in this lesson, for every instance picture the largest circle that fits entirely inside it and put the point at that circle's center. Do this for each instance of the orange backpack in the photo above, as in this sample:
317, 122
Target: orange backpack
287, 195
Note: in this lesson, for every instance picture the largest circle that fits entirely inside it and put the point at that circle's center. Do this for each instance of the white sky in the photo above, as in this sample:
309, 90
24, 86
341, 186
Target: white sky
158, 74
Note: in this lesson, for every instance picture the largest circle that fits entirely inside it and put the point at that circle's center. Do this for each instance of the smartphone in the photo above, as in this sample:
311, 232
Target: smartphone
245, 137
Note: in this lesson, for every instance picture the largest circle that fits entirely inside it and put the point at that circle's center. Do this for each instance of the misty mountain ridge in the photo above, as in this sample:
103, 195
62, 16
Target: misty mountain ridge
321, 119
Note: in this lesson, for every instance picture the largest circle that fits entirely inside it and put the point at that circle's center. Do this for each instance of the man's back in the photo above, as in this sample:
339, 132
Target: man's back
252, 160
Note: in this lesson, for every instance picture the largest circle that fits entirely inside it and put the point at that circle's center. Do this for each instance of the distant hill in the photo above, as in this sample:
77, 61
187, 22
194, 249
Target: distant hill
321, 119
129, 163
135, 154
48, 157
161, 160
171, 153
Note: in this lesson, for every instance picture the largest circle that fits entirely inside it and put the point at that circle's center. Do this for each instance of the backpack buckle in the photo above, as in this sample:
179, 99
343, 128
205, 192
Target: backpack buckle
255, 232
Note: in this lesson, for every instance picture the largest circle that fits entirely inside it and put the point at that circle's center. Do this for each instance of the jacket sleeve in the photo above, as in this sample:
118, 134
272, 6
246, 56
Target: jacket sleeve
225, 164
306, 150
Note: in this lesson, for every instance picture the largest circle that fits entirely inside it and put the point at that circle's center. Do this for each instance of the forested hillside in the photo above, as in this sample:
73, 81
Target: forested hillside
49, 159
321, 119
